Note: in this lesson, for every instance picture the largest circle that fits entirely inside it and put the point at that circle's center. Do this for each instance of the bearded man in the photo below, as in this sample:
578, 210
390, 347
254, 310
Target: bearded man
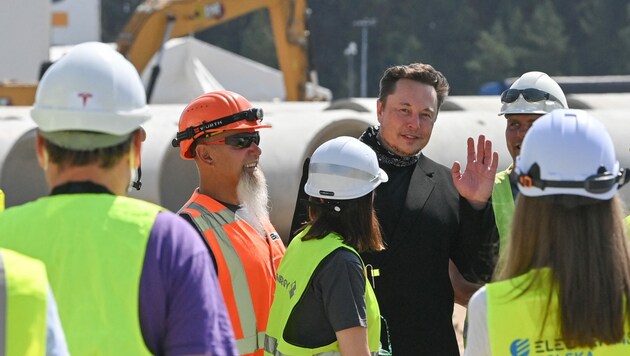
229, 209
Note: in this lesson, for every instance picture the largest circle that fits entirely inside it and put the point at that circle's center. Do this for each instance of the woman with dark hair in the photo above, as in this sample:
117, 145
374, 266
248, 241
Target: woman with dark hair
564, 283
323, 302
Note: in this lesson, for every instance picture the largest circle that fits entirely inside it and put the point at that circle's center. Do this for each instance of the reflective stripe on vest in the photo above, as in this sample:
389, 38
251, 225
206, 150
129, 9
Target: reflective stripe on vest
93, 246
294, 275
23, 303
515, 320
246, 264
503, 206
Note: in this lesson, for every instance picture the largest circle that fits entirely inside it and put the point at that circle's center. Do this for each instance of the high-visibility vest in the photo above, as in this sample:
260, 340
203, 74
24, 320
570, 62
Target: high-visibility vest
247, 263
503, 206
93, 246
294, 274
23, 305
1, 200
515, 320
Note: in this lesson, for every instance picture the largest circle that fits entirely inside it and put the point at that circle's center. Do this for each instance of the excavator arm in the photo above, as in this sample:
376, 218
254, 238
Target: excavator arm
156, 21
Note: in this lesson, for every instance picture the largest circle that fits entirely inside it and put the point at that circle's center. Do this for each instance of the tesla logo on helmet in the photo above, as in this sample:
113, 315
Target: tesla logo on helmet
85, 97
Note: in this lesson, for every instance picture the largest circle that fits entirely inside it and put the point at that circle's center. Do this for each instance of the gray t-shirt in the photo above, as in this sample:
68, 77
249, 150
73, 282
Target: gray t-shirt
333, 301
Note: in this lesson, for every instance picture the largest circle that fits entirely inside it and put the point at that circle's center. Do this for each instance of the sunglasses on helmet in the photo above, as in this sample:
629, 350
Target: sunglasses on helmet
241, 140
531, 95
599, 183
251, 115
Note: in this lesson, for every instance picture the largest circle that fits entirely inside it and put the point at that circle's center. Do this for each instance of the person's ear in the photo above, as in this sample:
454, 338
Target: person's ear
136, 149
380, 106
42, 153
203, 154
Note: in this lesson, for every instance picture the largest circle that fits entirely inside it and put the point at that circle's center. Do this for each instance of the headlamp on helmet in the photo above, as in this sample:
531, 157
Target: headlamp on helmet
251, 115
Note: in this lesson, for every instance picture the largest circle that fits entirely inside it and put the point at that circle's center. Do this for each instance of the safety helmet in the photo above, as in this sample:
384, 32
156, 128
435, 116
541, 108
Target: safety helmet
343, 168
215, 112
533, 93
569, 152
91, 89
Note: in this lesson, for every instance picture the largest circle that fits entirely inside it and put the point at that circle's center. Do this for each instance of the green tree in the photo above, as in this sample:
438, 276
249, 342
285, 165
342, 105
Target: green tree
540, 42
492, 59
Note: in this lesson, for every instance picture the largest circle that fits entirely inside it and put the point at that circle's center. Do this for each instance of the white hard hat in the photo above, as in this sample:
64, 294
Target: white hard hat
343, 168
533, 93
91, 89
569, 152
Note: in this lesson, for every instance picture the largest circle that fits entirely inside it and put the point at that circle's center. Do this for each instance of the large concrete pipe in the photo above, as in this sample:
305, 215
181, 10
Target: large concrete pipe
298, 128
21, 178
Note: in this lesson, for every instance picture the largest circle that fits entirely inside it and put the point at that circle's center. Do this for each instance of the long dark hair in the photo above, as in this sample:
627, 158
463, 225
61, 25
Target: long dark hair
354, 220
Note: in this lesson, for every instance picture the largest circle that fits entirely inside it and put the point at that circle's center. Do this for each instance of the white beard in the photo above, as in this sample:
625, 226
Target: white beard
254, 198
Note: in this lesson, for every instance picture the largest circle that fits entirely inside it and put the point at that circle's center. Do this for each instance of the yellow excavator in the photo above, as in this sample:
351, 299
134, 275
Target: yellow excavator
156, 21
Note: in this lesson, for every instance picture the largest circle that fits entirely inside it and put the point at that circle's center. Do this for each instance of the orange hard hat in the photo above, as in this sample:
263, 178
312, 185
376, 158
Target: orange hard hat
215, 112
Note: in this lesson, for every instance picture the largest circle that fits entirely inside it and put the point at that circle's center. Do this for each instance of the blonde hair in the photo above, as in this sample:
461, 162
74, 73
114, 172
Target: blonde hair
585, 244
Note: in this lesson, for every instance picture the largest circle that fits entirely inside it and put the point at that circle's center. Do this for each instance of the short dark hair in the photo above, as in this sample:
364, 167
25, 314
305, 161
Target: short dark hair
420, 72
106, 157
356, 222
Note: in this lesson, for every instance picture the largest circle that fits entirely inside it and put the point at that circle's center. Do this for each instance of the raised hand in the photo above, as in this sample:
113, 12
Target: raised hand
475, 183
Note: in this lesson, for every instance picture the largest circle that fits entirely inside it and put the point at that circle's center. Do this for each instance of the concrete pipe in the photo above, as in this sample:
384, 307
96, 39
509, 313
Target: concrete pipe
298, 129
21, 178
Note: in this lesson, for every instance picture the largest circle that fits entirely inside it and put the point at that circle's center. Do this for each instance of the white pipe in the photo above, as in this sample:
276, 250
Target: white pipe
298, 128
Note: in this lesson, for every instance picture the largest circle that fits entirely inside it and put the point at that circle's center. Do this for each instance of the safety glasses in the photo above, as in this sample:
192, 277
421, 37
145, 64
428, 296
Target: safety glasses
251, 115
531, 95
241, 140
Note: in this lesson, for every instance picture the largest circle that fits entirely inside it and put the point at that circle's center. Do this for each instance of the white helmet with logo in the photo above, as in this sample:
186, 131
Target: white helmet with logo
92, 89
569, 152
533, 93
343, 168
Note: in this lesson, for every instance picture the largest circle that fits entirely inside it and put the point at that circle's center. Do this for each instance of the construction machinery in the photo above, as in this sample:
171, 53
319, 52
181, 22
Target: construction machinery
156, 21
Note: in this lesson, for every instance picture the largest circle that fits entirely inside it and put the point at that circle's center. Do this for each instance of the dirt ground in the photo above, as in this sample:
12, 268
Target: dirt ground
459, 314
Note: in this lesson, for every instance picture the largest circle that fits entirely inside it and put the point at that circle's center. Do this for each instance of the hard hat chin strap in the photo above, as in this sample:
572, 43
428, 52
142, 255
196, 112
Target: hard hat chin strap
330, 205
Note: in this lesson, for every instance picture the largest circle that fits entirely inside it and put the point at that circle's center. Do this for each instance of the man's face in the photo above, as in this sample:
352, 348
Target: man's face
230, 162
407, 117
517, 126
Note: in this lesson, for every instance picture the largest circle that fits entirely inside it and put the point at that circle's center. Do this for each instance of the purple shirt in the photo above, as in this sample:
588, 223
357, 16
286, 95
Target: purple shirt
181, 306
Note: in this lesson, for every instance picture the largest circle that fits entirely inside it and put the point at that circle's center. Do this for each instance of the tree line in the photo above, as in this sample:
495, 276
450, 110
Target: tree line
470, 41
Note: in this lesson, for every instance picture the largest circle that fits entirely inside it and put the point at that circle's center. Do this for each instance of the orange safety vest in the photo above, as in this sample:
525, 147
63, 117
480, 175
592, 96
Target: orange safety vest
247, 263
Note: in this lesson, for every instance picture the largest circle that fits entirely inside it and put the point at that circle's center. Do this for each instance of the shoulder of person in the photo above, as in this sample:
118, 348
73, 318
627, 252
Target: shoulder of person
175, 232
342, 257
429, 165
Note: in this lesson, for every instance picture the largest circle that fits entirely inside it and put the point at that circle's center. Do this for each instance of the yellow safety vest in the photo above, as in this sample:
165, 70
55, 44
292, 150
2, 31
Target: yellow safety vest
23, 303
1, 200
294, 274
93, 246
515, 320
503, 206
